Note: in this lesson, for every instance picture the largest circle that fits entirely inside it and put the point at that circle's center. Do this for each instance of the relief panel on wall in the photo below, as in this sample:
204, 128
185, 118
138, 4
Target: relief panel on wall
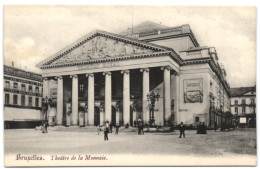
193, 90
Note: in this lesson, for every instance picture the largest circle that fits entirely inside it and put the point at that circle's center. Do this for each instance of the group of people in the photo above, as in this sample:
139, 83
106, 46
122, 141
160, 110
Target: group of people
201, 129
108, 128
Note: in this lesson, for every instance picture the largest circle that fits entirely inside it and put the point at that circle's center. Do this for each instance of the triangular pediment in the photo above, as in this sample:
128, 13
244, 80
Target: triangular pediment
100, 45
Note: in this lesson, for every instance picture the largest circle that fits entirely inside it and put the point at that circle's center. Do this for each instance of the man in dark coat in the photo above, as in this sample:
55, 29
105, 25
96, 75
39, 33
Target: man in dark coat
182, 130
106, 131
117, 128
135, 123
111, 127
215, 125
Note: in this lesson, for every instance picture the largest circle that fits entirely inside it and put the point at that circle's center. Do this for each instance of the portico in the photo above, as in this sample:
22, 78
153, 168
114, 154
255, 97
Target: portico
111, 75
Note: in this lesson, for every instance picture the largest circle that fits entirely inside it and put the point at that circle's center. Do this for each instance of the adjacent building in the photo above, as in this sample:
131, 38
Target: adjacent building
243, 106
22, 98
152, 72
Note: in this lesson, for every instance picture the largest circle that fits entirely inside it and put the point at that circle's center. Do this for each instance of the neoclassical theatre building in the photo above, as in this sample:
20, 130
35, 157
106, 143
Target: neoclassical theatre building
123, 77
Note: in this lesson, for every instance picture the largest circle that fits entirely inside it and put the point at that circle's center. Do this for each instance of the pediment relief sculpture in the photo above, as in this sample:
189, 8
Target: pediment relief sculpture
101, 47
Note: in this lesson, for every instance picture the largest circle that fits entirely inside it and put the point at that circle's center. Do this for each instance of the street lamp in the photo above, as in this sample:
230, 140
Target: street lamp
152, 97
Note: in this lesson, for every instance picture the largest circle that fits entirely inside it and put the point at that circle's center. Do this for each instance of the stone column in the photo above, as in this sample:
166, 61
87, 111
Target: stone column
91, 98
45, 88
176, 101
108, 96
146, 90
75, 106
166, 92
59, 115
126, 96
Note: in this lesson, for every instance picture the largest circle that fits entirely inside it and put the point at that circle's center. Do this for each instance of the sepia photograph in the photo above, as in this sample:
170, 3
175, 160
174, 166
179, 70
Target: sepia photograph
129, 85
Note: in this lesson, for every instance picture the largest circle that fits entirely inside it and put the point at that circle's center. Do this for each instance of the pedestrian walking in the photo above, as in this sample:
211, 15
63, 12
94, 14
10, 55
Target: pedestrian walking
135, 123
117, 128
215, 125
127, 126
182, 130
44, 127
140, 128
106, 131
111, 127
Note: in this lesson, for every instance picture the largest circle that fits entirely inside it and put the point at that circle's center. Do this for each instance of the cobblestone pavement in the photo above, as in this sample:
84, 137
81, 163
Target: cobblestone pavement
30, 141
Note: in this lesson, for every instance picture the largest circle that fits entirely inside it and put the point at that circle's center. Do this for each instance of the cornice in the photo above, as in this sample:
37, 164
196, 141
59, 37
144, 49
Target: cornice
110, 59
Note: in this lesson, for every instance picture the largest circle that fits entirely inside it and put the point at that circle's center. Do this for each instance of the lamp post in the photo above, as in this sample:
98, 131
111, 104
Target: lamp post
152, 97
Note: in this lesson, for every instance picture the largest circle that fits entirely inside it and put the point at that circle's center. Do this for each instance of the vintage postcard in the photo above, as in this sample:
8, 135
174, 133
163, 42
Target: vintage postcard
129, 85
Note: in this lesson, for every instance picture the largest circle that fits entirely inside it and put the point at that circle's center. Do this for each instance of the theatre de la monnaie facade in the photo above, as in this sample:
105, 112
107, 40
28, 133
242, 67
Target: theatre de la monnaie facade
119, 77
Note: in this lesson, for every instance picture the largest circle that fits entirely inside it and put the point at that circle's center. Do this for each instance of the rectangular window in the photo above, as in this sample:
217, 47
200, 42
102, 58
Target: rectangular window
30, 88
37, 89
36, 102
23, 87
236, 102
7, 96
15, 99
15, 85
236, 109
243, 101
7, 84
23, 100
30, 101
197, 119
243, 109
252, 101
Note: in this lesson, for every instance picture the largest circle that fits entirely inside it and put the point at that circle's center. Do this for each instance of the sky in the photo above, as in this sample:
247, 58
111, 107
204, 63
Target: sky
33, 33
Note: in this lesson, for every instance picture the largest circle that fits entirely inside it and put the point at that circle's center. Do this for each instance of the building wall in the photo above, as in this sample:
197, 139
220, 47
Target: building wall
17, 115
12, 114
248, 109
189, 111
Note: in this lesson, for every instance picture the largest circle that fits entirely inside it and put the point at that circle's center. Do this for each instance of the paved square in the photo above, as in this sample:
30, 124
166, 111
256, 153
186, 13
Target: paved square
29, 141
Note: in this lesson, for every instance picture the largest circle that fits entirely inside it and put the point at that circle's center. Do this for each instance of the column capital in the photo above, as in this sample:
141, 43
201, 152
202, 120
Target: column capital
58, 77
144, 70
166, 68
125, 71
90, 74
75, 76
176, 73
107, 73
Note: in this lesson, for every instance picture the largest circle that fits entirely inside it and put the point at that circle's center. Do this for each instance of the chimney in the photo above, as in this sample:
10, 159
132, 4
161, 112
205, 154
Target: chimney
12, 63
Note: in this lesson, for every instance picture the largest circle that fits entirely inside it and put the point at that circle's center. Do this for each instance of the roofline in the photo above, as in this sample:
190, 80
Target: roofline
22, 70
162, 37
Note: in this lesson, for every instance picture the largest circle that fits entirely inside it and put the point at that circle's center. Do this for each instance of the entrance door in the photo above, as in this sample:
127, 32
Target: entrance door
113, 116
97, 116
